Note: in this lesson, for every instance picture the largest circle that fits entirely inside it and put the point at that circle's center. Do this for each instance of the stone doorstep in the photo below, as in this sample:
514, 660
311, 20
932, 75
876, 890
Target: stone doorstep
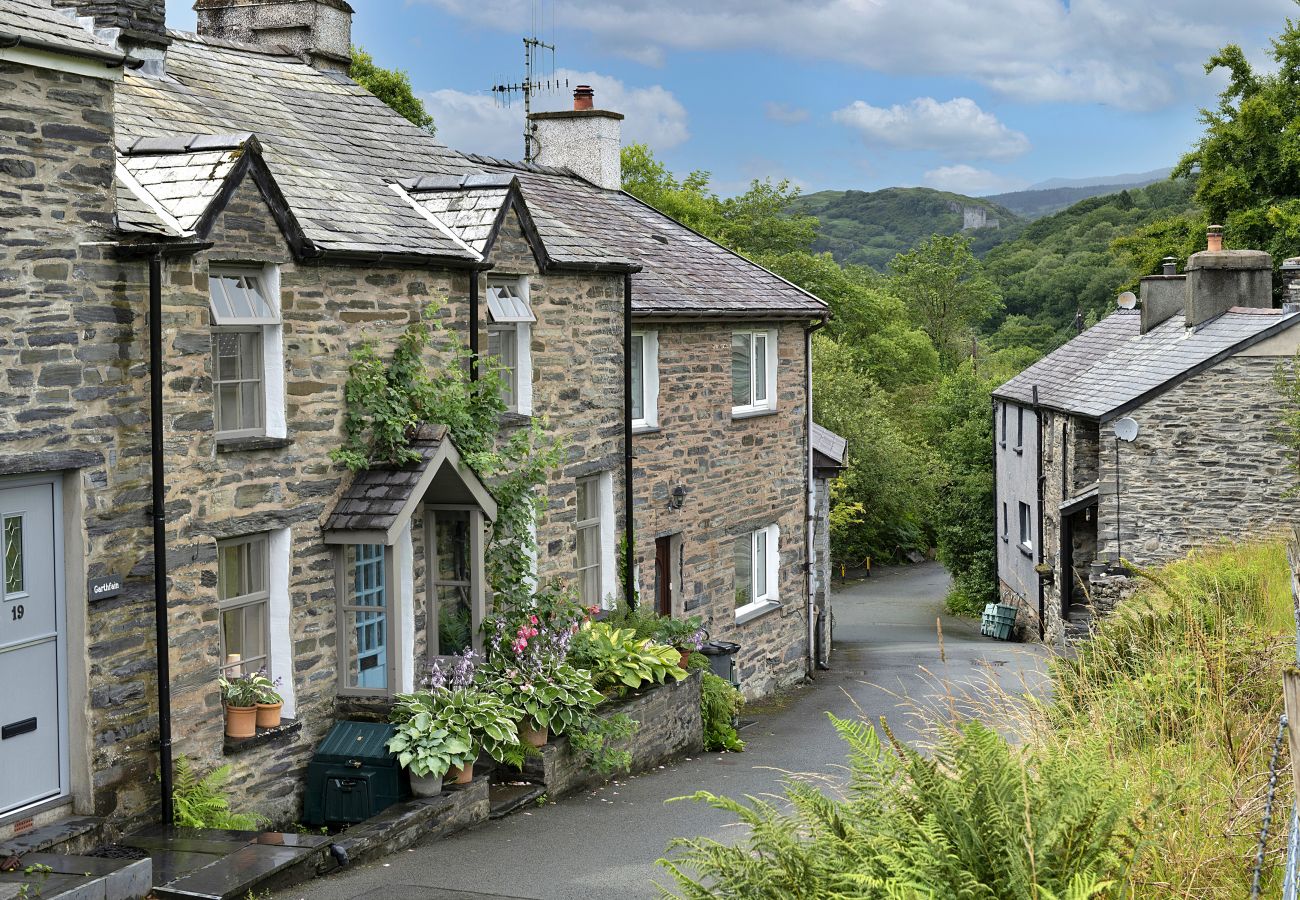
507, 796
74, 833
215, 864
79, 878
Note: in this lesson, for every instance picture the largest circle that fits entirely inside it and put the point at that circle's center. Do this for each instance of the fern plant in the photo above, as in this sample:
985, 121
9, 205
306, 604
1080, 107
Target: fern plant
201, 802
978, 820
720, 703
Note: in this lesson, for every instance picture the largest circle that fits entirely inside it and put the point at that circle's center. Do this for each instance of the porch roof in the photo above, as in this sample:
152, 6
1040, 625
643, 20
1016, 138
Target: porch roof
380, 501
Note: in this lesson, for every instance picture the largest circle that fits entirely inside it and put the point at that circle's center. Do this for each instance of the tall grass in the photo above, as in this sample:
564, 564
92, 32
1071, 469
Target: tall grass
1181, 690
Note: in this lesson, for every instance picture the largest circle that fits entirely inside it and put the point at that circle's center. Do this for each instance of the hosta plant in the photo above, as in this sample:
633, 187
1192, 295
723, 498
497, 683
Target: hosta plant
490, 722
554, 697
619, 661
421, 743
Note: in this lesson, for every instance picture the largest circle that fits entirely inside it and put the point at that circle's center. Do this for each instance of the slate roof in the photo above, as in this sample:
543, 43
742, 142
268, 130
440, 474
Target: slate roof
1112, 366
376, 497
38, 24
183, 175
828, 443
135, 215
340, 157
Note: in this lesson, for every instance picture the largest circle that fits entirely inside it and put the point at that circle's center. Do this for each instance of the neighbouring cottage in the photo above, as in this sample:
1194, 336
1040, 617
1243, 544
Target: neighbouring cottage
277, 216
1153, 432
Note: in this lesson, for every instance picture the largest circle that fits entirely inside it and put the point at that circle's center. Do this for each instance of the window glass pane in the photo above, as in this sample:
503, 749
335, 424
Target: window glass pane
588, 546
588, 500
13, 555
238, 297
740, 370
228, 351
638, 376
455, 620
589, 587
451, 536
760, 368
760, 565
250, 405
744, 565
366, 631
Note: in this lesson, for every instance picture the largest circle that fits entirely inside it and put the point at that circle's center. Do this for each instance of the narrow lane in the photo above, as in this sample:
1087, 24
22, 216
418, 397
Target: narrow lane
604, 844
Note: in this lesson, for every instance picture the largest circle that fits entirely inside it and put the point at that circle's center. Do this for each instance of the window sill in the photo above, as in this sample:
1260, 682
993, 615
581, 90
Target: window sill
514, 420
755, 610
263, 737
1025, 551
1020, 451
744, 413
645, 429
257, 442
1005, 539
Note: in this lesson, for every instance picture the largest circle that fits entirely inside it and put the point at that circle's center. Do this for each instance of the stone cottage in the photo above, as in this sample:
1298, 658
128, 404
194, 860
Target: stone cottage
275, 217
1151, 433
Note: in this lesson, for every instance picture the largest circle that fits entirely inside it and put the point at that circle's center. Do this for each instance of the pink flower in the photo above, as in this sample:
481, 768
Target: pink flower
532, 619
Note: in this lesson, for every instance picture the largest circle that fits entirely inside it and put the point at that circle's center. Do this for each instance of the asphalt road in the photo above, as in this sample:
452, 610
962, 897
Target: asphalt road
603, 844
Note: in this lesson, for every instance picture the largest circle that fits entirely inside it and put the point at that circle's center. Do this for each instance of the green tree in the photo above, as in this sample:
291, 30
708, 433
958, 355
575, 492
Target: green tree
392, 87
1248, 160
945, 292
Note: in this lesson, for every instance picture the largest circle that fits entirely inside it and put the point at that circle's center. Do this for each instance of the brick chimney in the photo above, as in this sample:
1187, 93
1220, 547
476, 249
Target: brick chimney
1291, 280
584, 139
1218, 280
139, 27
319, 31
1162, 295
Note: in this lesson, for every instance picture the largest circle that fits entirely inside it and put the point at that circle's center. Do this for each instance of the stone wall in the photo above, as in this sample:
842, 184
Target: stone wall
1207, 464
73, 401
739, 474
670, 726
822, 566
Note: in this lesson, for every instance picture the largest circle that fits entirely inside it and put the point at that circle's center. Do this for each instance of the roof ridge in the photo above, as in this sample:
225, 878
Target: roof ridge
521, 166
193, 142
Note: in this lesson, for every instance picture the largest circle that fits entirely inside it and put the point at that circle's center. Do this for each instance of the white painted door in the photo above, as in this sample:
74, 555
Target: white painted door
33, 751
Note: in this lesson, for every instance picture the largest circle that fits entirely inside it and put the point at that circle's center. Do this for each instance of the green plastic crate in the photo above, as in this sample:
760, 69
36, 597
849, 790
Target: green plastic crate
998, 620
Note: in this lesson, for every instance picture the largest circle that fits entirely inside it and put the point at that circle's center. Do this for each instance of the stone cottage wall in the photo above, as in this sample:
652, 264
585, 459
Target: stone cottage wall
74, 401
739, 475
1207, 464
822, 567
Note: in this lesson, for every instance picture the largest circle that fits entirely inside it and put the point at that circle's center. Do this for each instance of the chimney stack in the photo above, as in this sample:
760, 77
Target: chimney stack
584, 139
1218, 280
319, 31
139, 27
1162, 295
1291, 280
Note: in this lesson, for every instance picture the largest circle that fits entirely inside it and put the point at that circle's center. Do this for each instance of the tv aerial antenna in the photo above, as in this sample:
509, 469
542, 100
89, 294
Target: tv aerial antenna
539, 76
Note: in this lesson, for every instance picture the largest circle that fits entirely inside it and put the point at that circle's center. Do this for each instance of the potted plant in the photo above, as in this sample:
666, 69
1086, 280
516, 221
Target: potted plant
686, 636
491, 723
552, 698
423, 746
240, 695
269, 701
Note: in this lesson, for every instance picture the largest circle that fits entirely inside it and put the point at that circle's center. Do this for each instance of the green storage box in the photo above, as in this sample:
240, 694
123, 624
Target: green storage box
353, 776
998, 620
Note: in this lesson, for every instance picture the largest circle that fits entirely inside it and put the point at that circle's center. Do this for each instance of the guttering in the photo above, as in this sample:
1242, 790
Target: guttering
162, 643
766, 315
811, 524
629, 531
110, 58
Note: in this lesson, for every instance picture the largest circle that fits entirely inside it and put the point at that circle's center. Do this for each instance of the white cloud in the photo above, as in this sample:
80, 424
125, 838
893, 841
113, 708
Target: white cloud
476, 123
957, 127
1136, 54
965, 179
785, 113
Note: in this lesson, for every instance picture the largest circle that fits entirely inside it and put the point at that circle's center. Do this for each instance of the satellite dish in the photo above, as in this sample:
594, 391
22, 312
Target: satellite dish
1127, 300
1126, 429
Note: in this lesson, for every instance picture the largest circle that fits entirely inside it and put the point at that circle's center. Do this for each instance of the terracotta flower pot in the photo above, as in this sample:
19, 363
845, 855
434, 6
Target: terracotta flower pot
536, 737
686, 655
241, 721
268, 715
426, 785
460, 775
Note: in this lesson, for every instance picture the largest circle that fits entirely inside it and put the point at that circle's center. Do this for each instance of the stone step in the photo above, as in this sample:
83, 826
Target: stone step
58, 876
506, 797
211, 864
74, 834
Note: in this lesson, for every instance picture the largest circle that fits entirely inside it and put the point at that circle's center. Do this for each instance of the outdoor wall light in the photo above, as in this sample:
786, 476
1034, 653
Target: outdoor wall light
678, 497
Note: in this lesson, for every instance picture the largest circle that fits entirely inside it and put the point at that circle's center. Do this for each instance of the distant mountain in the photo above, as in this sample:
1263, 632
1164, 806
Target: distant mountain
1052, 196
870, 227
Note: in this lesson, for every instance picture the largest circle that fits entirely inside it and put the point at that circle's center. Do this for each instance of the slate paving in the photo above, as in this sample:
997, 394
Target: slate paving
604, 844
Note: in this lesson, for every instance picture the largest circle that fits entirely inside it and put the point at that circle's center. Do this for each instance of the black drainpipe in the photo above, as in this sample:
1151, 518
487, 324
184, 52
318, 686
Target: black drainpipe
1042, 599
629, 554
473, 324
159, 536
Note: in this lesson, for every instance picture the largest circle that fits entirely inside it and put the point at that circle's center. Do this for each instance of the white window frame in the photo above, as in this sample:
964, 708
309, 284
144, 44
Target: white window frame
1026, 541
510, 316
764, 552
258, 597
602, 482
271, 365
767, 403
648, 355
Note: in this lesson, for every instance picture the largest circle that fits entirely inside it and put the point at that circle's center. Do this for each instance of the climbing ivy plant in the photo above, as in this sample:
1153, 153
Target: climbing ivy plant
387, 401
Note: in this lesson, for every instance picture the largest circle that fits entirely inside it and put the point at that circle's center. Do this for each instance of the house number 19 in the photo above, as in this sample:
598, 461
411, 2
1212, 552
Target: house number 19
18, 612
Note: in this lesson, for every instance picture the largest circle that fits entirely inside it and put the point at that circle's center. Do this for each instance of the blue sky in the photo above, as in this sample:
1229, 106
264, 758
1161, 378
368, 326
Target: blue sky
976, 96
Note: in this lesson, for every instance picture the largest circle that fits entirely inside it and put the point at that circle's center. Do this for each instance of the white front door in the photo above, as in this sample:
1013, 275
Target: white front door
33, 732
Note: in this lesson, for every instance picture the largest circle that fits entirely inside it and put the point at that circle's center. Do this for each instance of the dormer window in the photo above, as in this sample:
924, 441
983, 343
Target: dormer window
247, 353
509, 341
